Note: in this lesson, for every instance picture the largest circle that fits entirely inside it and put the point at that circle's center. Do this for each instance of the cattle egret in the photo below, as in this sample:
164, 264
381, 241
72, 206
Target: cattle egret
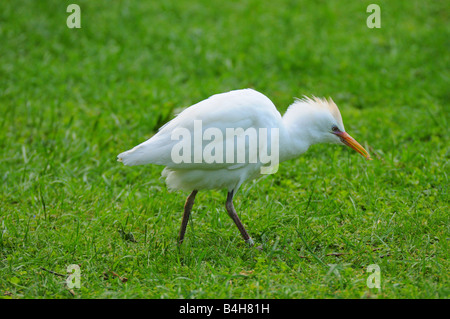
197, 161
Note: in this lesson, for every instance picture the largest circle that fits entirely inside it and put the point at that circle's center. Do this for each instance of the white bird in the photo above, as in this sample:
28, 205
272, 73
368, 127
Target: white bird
208, 158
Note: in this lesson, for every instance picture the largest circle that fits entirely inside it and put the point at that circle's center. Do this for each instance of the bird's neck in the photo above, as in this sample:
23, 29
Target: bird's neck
296, 137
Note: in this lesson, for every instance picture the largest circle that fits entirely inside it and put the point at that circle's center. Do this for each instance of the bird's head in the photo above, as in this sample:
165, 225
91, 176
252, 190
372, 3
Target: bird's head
324, 123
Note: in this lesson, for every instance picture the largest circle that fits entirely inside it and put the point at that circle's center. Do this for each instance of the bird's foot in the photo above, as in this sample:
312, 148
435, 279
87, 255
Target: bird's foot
250, 242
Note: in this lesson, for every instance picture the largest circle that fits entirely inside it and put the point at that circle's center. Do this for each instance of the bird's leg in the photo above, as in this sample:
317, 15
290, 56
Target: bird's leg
187, 211
232, 213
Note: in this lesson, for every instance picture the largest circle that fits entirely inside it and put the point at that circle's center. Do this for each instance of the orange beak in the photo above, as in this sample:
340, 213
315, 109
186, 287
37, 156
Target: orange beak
351, 142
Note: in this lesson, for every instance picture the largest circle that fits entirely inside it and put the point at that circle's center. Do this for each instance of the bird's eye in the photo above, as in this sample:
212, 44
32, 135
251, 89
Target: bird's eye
335, 129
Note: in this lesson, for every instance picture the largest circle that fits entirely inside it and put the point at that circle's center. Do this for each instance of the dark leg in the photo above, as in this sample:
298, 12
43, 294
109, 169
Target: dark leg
187, 212
232, 213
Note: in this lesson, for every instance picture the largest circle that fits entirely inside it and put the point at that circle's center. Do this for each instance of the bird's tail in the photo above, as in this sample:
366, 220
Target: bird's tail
131, 158
152, 151
148, 152
122, 157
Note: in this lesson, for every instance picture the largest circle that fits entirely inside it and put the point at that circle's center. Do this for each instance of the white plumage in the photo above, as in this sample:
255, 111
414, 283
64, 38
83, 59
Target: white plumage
306, 122
236, 109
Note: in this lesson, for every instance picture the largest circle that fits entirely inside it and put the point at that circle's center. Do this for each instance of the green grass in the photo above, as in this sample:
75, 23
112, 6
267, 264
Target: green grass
71, 100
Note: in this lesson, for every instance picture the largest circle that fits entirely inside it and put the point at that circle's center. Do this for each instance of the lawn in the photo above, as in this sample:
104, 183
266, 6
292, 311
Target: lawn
72, 99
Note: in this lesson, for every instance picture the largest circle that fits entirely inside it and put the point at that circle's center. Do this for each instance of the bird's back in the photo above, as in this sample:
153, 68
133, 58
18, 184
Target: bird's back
244, 109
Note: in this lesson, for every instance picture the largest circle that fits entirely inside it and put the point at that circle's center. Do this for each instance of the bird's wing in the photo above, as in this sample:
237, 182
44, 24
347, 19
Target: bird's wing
244, 109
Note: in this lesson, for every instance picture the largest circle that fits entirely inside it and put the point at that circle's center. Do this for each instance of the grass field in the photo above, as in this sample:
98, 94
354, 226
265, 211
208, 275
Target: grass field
72, 99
